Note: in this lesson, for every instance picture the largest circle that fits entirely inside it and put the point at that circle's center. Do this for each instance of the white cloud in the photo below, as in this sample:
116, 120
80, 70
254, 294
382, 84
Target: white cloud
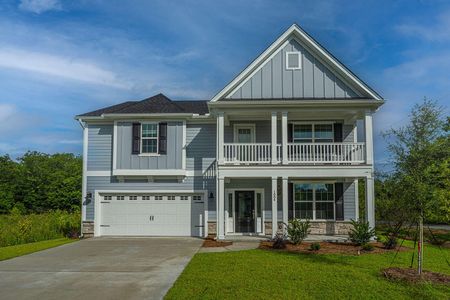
6, 111
438, 31
39, 6
59, 66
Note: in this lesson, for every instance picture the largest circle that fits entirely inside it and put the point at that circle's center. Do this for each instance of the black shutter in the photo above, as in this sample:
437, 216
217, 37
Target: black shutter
338, 132
162, 138
136, 141
290, 201
290, 131
339, 200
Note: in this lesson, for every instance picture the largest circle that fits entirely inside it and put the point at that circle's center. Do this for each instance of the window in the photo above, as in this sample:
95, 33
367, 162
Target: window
184, 197
145, 197
149, 138
314, 201
120, 197
313, 133
171, 198
293, 60
133, 197
107, 197
197, 198
244, 133
158, 197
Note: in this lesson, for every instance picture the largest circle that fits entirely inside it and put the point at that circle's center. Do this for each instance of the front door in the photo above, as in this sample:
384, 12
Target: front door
245, 211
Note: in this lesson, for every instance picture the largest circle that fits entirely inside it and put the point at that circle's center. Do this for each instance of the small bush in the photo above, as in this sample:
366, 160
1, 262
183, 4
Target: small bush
390, 241
361, 233
367, 247
314, 247
297, 230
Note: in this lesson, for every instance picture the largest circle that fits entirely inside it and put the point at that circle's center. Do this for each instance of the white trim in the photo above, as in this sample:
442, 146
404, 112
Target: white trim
142, 153
183, 147
220, 137
97, 173
149, 172
220, 209
274, 201
299, 56
115, 145
97, 193
285, 195
368, 129
277, 45
274, 133
356, 199
284, 137
250, 126
84, 178
314, 201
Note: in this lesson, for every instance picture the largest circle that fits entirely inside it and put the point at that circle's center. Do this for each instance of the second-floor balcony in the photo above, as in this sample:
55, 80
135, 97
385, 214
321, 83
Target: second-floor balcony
297, 153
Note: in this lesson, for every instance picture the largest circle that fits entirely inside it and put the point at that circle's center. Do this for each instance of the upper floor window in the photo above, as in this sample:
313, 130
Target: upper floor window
313, 133
293, 60
149, 138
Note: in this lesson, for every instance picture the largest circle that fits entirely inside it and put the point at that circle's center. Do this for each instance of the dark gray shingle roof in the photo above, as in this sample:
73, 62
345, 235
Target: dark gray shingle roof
155, 104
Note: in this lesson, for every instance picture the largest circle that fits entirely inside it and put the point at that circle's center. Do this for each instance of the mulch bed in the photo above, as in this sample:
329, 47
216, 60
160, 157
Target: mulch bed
210, 242
330, 248
411, 276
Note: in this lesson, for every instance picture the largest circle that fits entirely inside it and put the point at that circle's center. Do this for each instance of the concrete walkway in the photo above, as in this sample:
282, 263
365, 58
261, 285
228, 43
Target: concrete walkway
101, 268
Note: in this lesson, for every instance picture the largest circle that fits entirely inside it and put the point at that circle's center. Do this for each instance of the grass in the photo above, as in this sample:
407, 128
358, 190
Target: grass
260, 274
19, 250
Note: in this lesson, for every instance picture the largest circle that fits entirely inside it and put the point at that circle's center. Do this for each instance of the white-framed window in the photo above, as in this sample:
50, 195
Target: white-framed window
293, 60
158, 197
149, 138
184, 197
120, 197
146, 197
313, 133
133, 197
171, 198
107, 197
197, 198
244, 133
314, 201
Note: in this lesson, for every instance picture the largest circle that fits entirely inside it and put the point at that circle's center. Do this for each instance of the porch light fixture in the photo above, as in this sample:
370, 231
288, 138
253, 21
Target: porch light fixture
211, 195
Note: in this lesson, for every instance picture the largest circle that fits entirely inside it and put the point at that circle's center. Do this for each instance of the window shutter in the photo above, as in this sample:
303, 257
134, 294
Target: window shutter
290, 131
290, 201
338, 132
162, 138
136, 139
339, 200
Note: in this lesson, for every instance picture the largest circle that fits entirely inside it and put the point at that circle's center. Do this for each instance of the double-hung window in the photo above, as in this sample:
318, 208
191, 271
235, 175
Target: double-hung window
149, 138
313, 133
314, 201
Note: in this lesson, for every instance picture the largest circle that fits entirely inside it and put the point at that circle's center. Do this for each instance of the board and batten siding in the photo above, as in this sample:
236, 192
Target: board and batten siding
200, 147
128, 161
313, 80
100, 141
195, 183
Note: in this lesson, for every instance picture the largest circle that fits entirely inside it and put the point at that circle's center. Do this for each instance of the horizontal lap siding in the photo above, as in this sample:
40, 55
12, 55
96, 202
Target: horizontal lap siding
111, 183
200, 147
100, 139
262, 131
348, 133
349, 200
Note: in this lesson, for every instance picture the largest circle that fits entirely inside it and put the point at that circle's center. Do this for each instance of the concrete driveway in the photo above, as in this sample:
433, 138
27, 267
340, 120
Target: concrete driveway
101, 268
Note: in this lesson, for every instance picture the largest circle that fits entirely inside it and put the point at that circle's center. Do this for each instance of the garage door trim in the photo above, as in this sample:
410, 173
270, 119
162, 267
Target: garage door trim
98, 193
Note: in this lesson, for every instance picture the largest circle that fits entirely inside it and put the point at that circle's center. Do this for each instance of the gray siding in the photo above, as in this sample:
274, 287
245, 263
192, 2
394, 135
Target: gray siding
125, 160
348, 134
349, 200
190, 183
100, 139
262, 131
200, 146
313, 80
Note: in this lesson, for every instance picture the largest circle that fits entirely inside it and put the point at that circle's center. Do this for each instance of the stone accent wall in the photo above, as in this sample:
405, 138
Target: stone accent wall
268, 227
87, 229
325, 228
212, 228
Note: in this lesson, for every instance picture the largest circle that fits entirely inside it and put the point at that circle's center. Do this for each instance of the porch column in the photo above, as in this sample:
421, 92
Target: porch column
220, 135
285, 200
220, 209
284, 138
274, 206
274, 138
370, 201
369, 137
355, 182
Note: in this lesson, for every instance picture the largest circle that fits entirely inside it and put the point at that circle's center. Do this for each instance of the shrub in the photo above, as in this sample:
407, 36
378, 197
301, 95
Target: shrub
297, 230
390, 241
279, 241
314, 247
367, 247
361, 233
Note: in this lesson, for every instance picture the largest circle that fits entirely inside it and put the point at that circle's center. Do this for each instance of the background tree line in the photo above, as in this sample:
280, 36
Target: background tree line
39, 182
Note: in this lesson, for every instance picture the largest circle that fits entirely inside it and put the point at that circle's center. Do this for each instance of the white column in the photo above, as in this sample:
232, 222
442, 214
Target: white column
274, 138
220, 135
84, 176
355, 182
285, 200
369, 137
274, 206
220, 209
370, 201
284, 136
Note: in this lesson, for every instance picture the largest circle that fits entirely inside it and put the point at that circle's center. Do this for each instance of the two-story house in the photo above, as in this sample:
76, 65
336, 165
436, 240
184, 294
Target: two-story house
278, 142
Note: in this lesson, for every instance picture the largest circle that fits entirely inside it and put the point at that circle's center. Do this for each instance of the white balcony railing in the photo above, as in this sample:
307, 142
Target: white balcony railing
326, 152
248, 153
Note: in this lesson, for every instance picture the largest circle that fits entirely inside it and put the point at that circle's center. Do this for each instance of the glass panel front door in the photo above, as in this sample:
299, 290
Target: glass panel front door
245, 211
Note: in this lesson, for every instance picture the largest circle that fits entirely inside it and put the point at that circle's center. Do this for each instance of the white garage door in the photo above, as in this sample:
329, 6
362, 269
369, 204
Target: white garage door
152, 214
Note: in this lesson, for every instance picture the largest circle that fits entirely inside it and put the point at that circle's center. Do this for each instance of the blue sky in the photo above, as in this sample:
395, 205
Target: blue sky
61, 58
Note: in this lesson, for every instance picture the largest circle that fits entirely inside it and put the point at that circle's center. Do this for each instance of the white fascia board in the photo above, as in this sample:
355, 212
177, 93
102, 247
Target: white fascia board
153, 172
303, 36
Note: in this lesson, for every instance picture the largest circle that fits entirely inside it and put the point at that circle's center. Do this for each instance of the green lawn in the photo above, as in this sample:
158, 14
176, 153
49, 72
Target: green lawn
261, 274
19, 250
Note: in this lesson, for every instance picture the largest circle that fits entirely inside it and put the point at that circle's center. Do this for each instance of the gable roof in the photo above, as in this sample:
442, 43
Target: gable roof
153, 105
304, 38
